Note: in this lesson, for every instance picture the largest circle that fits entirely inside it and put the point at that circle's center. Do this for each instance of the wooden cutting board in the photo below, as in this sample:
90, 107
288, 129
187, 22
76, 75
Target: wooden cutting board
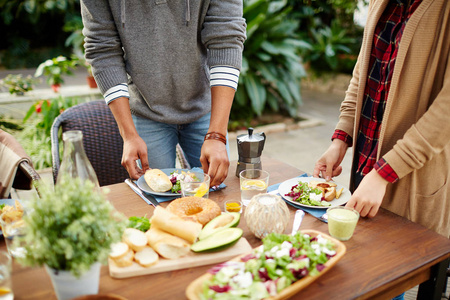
191, 260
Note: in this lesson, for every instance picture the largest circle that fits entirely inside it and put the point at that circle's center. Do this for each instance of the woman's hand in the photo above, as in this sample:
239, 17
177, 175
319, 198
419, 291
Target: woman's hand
328, 164
368, 197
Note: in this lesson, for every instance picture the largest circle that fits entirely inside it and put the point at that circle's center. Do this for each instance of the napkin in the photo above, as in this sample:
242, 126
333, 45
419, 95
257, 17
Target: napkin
169, 198
316, 212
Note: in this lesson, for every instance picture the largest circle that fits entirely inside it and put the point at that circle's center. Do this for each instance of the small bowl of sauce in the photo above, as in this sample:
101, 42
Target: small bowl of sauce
233, 206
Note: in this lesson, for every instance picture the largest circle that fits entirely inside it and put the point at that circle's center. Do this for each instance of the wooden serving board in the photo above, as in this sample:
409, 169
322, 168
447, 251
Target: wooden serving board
189, 261
194, 289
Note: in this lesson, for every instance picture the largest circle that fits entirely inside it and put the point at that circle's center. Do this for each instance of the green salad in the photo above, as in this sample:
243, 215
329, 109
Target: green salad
306, 195
279, 262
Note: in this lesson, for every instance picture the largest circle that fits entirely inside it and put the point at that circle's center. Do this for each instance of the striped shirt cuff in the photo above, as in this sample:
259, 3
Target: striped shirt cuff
224, 76
118, 91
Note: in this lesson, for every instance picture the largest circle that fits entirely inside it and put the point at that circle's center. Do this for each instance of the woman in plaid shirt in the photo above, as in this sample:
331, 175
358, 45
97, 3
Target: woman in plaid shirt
396, 115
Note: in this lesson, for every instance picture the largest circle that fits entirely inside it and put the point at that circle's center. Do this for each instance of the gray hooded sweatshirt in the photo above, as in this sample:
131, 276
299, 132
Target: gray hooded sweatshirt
163, 49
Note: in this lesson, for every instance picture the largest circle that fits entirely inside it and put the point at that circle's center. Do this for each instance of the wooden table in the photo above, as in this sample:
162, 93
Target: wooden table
386, 256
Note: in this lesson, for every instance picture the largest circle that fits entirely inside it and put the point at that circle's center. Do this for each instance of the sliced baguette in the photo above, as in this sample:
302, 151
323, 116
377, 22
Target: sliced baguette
171, 223
167, 245
134, 238
118, 250
126, 260
146, 257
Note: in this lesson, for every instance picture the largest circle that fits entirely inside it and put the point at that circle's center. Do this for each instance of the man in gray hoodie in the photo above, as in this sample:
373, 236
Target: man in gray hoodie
168, 70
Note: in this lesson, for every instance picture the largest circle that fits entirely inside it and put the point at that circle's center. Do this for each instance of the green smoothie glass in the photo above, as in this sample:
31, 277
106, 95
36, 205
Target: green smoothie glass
342, 222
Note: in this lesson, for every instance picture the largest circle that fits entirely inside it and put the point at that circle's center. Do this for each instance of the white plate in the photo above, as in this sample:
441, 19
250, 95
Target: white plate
11, 202
286, 186
144, 186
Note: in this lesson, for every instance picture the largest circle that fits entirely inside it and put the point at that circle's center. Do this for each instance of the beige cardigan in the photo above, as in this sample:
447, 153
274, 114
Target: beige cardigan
415, 132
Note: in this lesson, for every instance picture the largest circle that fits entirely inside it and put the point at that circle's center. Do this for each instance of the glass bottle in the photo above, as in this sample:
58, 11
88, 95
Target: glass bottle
75, 163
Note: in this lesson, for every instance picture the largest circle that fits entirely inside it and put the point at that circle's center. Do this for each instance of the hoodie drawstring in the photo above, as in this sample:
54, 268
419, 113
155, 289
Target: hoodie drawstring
122, 13
188, 12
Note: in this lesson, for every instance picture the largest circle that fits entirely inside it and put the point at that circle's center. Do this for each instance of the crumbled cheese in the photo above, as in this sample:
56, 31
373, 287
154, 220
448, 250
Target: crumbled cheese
243, 280
315, 197
286, 245
282, 252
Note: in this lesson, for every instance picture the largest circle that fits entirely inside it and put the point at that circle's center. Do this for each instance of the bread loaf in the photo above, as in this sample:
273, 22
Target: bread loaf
167, 245
171, 223
157, 180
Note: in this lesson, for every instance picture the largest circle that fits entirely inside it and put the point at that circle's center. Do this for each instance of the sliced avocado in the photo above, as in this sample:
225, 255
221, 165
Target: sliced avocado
219, 240
223, 221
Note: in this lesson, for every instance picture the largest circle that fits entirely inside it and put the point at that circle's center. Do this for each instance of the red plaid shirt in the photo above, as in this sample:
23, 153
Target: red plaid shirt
386, 41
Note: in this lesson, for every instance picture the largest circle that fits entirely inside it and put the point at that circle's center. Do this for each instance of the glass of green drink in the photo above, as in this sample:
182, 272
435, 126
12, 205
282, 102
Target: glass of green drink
342, 222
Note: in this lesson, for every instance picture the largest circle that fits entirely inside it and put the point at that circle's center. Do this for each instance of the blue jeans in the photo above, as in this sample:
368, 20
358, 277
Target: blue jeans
161, 140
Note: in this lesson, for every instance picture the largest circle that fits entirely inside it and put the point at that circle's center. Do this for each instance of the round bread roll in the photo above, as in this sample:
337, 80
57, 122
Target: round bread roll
147, 257
125, 261
118, 250
157, 180
195, 209
134, 238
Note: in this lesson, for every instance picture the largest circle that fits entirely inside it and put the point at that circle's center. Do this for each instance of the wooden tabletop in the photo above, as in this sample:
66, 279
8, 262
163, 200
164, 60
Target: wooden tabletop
386, 255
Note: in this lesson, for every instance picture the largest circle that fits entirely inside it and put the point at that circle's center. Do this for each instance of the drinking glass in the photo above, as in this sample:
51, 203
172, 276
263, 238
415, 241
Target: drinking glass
6, 292
14, 232
195, 184
342, 222
253, 182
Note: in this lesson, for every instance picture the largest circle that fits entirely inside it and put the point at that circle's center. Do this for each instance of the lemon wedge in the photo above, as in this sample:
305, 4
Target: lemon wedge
201, 191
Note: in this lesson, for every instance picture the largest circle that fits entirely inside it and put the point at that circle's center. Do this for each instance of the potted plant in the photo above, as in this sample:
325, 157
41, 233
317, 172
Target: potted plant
55, 69
17, 84
70, 231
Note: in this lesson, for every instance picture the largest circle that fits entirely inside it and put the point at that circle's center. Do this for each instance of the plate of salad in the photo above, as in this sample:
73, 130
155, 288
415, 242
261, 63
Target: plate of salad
173, 174
296, 191
278, 269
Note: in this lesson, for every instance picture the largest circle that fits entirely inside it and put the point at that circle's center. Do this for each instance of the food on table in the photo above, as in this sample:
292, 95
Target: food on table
140, 223
200, 210
233, 206
219, 240
166, 244
223, 221
314, 193
157, 180
171, 223
121, 254
11, 213
328, 189
134, 238
279, 262
175, 178
147, 257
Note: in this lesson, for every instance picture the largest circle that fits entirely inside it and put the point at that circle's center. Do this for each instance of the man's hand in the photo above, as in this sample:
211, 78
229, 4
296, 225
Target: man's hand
134, 149
328, 164
214, 160
368, 196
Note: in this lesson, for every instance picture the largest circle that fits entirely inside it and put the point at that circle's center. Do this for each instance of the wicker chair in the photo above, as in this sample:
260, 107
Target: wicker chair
17, 168
101, 140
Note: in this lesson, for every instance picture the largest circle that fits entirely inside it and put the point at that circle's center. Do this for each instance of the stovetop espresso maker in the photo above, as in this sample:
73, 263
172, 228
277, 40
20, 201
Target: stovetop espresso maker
250, 147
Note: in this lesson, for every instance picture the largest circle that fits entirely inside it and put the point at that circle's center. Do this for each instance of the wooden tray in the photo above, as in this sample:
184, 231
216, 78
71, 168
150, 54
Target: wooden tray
195, 288
189, 261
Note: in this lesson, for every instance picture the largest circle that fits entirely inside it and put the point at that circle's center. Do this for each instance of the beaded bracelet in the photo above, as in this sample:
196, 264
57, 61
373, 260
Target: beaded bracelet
214, 135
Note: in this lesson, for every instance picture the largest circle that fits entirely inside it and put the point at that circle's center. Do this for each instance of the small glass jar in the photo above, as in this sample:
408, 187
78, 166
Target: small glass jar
265, 214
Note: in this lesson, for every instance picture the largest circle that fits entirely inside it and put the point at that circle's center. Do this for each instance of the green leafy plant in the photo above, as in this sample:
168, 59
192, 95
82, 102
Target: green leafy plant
271, 66
17, 84
71, 227
35, 136
54, 69
327, 44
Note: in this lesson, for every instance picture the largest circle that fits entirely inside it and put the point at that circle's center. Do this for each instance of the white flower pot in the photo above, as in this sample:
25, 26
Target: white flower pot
68, 286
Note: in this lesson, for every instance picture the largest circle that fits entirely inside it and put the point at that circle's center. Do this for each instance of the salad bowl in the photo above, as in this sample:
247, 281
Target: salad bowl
195, 288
